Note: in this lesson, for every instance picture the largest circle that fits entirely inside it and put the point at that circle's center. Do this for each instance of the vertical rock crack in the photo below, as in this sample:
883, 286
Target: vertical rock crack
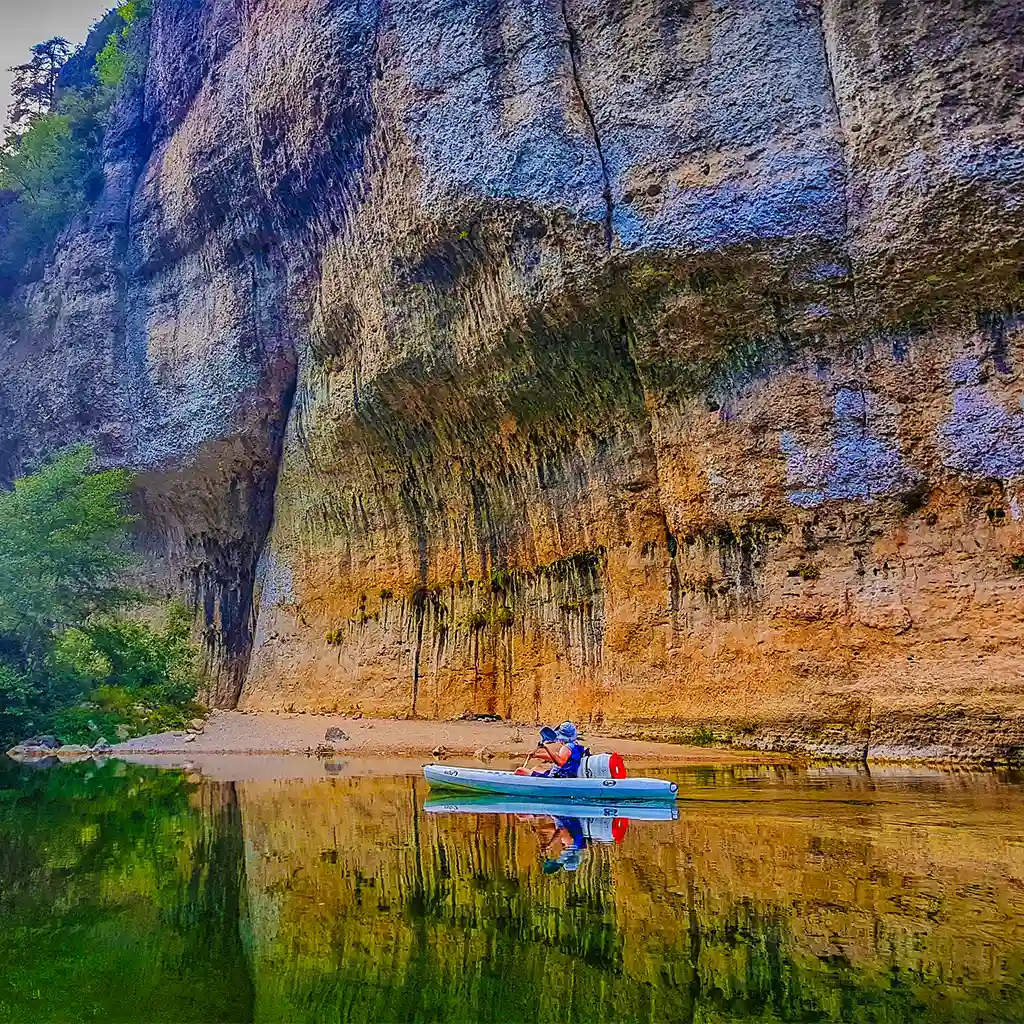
833, 91
574, 61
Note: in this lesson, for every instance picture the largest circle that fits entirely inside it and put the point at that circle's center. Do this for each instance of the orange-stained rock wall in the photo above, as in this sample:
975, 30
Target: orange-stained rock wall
826, 560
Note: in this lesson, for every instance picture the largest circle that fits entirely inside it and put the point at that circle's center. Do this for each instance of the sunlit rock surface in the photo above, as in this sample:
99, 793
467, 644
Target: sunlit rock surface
652, 363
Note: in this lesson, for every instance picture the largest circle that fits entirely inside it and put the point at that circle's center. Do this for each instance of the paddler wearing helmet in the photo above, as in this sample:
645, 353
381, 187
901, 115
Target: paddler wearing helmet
562, 748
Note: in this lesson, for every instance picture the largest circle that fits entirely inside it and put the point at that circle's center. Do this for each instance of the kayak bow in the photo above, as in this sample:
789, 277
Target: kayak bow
484, 780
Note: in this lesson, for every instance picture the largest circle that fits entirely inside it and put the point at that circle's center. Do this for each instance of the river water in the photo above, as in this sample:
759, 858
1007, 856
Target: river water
776, 894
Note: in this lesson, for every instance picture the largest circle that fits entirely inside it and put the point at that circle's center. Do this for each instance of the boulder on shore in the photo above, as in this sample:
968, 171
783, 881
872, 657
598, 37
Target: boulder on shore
45, 742
34, 747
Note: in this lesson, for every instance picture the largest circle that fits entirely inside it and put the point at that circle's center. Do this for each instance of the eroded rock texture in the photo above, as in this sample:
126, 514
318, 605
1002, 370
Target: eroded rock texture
653, 361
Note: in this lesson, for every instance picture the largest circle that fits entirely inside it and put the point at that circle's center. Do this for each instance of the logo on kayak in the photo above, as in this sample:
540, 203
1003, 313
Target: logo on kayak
451, 771
608, 782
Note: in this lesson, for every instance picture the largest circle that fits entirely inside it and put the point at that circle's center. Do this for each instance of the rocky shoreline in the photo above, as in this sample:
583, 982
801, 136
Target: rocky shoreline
479, 738
328, 736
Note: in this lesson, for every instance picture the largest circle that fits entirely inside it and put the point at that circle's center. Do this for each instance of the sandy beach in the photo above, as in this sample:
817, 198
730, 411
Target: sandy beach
267, 733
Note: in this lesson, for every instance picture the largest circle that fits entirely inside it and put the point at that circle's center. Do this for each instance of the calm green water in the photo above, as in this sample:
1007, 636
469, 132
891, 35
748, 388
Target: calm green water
128, 894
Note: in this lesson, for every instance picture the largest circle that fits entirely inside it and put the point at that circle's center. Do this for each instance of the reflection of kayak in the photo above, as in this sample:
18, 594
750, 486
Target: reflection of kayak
483, 804
483, 780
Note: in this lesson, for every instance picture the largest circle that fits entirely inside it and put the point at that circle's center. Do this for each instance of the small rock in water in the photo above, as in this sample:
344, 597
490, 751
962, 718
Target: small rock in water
325, 750
517, 736
483, 754
440, 752
101, 746
335, 735
197, 725
190, 737
357, 716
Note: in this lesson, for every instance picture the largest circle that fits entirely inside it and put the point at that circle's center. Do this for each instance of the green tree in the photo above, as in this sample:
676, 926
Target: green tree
34, 87
63, 550
51, 155
66, 660
116, 61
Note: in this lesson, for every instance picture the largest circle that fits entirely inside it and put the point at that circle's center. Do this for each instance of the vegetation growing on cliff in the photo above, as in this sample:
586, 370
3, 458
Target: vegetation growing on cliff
66, 661
51, 154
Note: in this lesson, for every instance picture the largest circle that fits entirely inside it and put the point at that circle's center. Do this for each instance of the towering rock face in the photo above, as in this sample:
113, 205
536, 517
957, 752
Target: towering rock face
650, 361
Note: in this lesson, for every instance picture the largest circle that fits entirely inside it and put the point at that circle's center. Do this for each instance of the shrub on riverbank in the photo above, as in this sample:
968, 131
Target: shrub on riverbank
70, 662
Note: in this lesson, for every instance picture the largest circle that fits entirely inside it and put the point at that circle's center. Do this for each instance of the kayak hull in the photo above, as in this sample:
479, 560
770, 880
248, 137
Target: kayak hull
483, 780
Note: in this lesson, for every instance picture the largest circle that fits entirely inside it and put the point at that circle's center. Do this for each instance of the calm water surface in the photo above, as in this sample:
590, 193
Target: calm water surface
129, 894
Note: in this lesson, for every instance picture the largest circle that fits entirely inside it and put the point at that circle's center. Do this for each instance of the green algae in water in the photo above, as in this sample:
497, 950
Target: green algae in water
134, 895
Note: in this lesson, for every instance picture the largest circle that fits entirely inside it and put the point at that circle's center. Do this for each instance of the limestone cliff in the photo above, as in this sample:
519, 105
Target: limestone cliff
650, 361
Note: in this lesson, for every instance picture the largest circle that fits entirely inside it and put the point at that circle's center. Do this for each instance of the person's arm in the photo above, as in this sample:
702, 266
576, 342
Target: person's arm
559, 755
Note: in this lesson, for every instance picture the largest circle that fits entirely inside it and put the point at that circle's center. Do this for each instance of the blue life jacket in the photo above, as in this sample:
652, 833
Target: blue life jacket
571, 768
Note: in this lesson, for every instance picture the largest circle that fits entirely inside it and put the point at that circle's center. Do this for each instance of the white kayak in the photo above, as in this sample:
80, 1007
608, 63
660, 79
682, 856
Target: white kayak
483, 780
484, 803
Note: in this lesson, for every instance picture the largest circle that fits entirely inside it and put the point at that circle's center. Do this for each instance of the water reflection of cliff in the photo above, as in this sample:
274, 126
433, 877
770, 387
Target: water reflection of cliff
850, 901
133, 895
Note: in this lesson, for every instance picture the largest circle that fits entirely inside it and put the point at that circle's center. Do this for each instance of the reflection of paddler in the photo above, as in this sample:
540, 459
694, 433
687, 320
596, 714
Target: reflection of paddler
562, 852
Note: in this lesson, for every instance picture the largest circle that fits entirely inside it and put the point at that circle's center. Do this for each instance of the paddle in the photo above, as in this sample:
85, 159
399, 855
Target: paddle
547, 735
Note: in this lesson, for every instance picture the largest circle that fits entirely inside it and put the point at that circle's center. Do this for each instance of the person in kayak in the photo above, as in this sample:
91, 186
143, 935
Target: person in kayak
562, 748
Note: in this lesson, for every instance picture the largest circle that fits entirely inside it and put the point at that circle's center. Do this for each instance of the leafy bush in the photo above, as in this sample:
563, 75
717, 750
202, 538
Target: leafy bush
702, 736
806, 571
115, 62
125, 677
128, 675
504, 616
63, 549
477, 621
66, 659
20, 703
